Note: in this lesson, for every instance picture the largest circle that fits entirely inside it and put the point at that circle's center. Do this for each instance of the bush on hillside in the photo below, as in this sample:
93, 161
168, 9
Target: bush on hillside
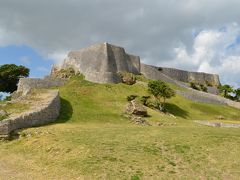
127, 78
194, 86
199, 87
131, 97
203, 88
144, 100
208, 83
161, 91
64, 73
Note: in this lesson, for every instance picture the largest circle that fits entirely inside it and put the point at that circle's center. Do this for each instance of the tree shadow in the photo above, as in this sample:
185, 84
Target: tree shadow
176, 111
65, 112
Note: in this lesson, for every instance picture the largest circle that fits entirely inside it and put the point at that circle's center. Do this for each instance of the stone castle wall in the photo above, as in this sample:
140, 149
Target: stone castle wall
152, 72
26, 84
101, 63
196, 77
46, 112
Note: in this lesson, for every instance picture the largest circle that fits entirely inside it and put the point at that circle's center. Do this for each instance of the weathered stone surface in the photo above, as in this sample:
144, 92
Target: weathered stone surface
101, 63
218, 124
26, 84
196, 77
171, 74
136, 108
45, 113
152, 72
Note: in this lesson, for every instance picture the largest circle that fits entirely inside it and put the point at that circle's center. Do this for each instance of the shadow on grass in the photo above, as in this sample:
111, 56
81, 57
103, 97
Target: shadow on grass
176, 111
65, 112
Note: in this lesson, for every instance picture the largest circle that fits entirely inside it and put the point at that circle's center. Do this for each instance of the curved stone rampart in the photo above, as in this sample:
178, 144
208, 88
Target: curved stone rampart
47, 111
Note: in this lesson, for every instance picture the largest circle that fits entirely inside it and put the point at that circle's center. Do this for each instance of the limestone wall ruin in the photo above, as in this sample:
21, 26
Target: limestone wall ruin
196, 77
47, 111
101, 63
152, 72
26, 84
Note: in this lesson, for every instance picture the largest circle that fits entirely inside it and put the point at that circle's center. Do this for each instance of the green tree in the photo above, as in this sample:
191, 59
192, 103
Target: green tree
237, 94
161, 91
225, 90
9, 76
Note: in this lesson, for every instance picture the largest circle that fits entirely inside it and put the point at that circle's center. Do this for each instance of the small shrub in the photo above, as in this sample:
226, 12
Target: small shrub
141, 78
144, 99
203, 88
194, 86
131, 97
160, 69
8, 98
208, 83
127, 78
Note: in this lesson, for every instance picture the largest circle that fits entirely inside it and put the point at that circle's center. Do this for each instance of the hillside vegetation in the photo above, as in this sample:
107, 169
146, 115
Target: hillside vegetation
93, 139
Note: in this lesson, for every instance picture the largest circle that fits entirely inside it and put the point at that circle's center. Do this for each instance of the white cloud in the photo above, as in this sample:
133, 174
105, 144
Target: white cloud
150, 29
214, 51
57, 56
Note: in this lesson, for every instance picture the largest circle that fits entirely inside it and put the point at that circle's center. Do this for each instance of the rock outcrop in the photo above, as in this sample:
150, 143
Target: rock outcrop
101, 63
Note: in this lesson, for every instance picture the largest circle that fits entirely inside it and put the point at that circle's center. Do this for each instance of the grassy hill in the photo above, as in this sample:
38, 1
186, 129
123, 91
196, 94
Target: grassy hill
93, 139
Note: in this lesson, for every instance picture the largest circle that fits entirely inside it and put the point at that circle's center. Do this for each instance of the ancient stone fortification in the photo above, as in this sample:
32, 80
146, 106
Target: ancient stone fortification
47, 111
101, 63
196, 77
26, 84
152, 72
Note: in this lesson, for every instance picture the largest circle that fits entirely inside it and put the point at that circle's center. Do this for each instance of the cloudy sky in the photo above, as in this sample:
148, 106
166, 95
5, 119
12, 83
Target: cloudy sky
195, 35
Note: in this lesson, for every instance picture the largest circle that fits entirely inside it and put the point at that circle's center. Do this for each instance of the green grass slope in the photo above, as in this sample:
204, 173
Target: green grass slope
92, 139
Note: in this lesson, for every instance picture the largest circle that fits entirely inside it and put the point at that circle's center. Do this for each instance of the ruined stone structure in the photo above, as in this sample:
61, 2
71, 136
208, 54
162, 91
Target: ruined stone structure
101, 63
196, 77
47, 111
26, 84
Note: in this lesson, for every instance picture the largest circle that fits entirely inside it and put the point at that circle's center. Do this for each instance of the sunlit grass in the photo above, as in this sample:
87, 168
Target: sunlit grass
92, 139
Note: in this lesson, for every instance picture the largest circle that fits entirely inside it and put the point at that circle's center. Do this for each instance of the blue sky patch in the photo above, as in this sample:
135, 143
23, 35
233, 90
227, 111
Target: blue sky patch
28, 57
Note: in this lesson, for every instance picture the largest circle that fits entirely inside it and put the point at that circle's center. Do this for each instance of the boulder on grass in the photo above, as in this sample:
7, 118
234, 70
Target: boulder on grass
220, 117
136, 108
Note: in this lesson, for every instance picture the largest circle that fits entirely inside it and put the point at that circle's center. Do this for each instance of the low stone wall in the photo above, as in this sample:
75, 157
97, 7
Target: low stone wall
216, 124
46, 112
199, 96
26, 84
